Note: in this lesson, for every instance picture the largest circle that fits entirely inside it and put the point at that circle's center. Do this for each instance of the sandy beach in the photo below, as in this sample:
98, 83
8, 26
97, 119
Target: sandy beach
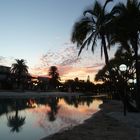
107, 124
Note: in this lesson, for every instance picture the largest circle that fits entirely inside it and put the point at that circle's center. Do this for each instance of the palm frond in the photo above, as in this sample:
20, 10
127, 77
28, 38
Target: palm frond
94, 42
118, 8
97, 9
107, 1
80, 30
82, 46
89, 11
102, 50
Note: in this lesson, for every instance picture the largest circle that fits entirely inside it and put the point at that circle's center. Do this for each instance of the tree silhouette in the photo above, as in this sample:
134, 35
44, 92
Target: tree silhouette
125, 58
54, 76
20, 70
126, 28
120, 80
92, 27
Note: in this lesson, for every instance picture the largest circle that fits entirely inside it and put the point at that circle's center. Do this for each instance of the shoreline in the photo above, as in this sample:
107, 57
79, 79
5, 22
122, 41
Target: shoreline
29, 94
103, 125
106, 124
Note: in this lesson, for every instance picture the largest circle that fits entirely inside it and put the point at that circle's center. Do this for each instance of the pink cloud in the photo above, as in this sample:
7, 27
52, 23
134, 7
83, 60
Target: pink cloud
68, 63
67, 56
69, 72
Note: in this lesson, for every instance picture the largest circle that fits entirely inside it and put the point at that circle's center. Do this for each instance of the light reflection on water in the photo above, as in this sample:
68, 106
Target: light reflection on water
32, 119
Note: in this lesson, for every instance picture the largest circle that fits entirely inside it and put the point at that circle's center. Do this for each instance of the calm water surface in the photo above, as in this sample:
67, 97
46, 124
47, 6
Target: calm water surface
33, 119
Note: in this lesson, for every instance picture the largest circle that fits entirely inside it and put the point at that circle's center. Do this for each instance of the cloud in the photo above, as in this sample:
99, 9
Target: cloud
2, 59
68, 63
70, 72
65, 60
67, 56
6, 61
81, 72
39, 71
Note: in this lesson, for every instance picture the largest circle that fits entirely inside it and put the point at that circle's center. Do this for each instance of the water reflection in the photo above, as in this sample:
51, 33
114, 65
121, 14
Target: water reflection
43, 116
15, 122
53, 104
76, 101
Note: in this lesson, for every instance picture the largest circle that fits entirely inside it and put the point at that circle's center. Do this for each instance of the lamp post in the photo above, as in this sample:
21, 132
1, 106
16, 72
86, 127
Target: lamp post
123, 69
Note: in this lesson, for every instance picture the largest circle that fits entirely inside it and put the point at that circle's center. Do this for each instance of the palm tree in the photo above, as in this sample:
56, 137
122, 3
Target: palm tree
92, 26
20, 70
54, 76
16, 122
127, 28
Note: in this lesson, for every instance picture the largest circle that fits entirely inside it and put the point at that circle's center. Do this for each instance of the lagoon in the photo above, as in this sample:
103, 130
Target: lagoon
35, 118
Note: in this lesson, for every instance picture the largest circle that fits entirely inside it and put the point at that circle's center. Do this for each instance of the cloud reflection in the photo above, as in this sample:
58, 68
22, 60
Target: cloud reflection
67, 116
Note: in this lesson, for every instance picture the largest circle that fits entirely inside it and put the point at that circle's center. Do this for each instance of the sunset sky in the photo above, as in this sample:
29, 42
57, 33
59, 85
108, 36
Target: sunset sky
39, 31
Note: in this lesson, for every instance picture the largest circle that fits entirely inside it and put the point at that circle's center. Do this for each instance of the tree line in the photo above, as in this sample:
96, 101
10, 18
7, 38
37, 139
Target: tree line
19, 79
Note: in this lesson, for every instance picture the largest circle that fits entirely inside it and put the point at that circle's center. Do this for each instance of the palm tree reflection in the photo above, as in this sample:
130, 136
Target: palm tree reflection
16, 122
53, 104
75, 101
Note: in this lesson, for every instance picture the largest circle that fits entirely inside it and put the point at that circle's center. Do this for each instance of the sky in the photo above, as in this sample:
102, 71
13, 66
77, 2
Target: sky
39, 31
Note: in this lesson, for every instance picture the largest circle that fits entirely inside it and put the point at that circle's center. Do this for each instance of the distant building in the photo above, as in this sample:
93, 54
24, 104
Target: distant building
4, 69
43, 78
43, 83
8, 81
4, 76
40, 83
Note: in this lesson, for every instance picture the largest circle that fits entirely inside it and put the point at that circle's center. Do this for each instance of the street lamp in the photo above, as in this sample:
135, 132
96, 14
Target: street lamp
123, 69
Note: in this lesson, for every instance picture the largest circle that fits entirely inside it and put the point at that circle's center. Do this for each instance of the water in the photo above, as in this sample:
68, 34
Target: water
33, 119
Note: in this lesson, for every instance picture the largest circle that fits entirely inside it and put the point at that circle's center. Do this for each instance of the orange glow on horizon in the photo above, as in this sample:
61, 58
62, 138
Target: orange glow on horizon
67, 73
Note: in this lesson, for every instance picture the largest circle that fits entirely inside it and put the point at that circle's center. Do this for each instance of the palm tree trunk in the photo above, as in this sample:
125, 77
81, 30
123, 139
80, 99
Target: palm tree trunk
107, 60
111, 77
105, 51
135, 46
